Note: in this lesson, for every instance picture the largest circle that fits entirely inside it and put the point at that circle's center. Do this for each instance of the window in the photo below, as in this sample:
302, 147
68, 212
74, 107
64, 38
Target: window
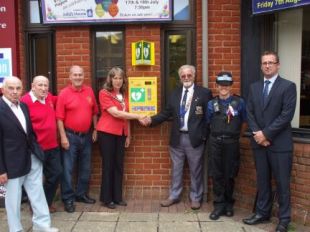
288, 33
39, 46
179, 44
109, 52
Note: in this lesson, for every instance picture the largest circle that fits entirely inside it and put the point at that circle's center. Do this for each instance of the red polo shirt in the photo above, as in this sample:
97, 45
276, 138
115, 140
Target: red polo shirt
107, 123
76, 108
43, 119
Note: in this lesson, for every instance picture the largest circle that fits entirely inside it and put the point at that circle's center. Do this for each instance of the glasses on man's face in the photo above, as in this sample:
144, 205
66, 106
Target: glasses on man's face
269, 63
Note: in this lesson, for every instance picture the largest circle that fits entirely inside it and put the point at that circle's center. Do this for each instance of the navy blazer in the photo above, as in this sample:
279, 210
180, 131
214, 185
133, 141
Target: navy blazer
15, 144
274, 119
197, 126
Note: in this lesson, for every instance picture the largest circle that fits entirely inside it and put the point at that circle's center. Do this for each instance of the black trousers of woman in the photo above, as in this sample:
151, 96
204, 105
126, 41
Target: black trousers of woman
112, 149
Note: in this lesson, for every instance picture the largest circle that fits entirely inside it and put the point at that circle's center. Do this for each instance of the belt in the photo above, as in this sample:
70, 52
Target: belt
184, 132
76, 132
220, 137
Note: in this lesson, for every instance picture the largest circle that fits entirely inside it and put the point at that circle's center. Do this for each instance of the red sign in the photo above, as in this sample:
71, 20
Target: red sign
9, 29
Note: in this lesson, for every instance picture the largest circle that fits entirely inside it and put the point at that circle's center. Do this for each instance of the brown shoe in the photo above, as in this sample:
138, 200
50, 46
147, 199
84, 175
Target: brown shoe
169, 202
52, 209
195, 205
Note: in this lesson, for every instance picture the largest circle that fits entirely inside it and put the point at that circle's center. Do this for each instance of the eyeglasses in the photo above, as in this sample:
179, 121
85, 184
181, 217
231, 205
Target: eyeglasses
270, 63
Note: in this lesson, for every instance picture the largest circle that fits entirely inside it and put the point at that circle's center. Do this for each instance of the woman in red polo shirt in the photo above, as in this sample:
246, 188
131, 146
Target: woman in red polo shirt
113, 136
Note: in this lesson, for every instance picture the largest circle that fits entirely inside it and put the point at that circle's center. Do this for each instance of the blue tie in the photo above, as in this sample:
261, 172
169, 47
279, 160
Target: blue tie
265, 91
183, 109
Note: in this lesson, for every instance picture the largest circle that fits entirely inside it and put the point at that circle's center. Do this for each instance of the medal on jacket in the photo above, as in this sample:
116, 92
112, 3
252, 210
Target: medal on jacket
230, 113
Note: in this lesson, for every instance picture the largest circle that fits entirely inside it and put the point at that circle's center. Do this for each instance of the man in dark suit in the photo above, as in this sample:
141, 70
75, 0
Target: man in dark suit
18, 164
269, 118
187, 108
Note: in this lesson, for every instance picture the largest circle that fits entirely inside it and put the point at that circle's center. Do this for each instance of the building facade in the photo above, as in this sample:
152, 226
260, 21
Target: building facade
214, 35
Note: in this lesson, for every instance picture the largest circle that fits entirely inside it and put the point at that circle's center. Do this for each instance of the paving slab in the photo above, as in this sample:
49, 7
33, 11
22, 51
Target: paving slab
66, 216
227, 226
138, 217
94, 227
178, 217
100, 216
137, 227
179, 226
64, 226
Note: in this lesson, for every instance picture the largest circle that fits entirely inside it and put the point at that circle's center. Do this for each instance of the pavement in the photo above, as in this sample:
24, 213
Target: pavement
144, 216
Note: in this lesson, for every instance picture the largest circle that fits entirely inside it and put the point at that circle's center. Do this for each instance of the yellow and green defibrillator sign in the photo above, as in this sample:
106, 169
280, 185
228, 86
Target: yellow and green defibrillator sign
143, 53
143, 95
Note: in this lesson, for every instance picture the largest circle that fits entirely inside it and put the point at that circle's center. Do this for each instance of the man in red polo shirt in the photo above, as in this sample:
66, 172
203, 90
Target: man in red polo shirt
76, 114
41, 106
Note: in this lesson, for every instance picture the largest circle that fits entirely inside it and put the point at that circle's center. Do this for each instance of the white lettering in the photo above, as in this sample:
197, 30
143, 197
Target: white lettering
3, 26
2, 9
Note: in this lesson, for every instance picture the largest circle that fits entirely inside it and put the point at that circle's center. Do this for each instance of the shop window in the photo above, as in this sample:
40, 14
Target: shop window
109, 52
288, 33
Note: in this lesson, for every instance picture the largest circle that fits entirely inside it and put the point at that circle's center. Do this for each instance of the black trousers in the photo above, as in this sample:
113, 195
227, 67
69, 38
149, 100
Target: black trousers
52, 170
112, 148
280, 165
224, 166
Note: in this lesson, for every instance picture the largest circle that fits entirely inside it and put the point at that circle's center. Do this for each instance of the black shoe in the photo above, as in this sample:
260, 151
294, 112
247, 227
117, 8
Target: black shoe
282, 227
85, 199
216, 213
110, 205
229, 212
121, 203
69, 206
255, 219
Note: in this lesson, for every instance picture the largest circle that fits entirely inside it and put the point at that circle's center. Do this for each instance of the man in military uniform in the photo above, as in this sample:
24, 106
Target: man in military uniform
226, 115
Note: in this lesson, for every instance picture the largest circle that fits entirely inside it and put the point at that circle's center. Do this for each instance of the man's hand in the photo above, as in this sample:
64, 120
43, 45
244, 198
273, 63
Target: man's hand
260, 138
94, 136
3, 178
146, 121
65, 143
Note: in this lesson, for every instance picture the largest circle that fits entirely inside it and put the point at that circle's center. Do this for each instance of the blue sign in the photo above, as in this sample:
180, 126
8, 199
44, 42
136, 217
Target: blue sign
5, 63
266, 6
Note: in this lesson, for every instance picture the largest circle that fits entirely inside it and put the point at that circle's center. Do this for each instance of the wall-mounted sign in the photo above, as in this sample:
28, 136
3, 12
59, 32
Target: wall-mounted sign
95, 11
5, 63
265, 6
143, 95
8, 36
143, 53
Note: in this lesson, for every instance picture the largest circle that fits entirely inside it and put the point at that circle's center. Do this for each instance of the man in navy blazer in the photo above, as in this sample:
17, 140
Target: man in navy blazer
188, 134
269, 118
18, 164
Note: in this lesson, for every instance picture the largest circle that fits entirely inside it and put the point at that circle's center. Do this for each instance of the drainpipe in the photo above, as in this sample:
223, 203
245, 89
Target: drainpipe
205, 69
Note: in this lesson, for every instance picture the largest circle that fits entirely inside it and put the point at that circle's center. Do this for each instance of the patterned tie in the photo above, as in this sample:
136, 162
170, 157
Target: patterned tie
183, 109
265, 91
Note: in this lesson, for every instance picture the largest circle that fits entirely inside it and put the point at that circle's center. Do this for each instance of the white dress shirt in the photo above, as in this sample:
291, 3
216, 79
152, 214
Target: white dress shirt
189, 98
17, 111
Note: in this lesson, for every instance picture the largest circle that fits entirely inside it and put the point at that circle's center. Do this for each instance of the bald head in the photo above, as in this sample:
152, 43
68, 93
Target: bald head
12, 89
39, 87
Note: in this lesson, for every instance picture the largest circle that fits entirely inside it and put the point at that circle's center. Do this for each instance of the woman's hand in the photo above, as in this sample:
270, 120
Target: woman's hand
127, 141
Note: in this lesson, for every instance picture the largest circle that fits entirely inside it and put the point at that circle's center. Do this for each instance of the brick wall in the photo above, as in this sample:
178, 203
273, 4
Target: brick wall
224, 40
147, 162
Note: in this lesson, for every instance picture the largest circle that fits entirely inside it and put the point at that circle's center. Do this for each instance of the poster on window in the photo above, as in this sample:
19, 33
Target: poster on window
5, 63
265, 6
95, 11
143, 95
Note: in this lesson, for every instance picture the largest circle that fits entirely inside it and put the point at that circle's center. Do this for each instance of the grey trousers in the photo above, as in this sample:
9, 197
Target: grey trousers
194, 157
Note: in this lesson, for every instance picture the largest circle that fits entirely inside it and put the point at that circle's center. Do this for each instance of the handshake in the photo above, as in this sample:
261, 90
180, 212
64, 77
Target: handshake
145, 120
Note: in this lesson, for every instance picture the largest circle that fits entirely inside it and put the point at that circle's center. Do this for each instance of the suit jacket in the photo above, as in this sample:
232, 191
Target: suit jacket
197, 126
16, 145
274, 119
